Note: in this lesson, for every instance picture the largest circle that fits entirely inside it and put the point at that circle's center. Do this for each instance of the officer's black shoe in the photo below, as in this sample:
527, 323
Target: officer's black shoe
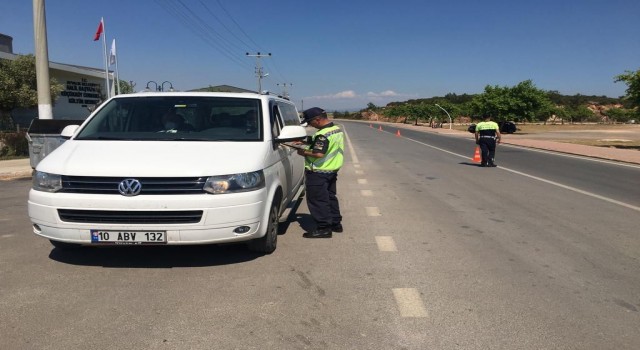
493, 165
337, 228
482, 165
319, 233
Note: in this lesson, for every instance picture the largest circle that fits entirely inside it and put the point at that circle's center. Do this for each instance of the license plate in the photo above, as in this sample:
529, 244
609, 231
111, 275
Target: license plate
129, 237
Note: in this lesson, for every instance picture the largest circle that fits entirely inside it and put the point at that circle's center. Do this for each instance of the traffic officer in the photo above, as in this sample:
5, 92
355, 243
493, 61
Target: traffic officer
323, 159
487, 135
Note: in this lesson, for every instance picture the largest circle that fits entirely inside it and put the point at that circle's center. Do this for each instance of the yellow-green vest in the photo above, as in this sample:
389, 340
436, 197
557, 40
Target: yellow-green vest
333, 159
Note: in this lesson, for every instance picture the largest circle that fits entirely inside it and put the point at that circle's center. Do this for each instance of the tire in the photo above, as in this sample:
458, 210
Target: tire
64, 245
267, 243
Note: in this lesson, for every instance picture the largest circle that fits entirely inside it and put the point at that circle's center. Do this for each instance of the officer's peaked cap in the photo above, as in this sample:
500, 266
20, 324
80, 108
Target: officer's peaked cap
312, 113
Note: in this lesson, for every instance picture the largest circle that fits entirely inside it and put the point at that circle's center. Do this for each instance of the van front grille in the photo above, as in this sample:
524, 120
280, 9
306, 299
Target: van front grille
130, 217
149, 185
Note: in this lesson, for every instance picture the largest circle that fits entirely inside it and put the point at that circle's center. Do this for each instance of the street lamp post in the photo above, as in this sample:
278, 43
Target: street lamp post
170, 86
450, 121
159, 87
147, 89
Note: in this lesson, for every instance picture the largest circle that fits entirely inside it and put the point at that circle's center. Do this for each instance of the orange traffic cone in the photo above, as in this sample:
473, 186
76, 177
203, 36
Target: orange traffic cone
398, 133
476, 155
380, 128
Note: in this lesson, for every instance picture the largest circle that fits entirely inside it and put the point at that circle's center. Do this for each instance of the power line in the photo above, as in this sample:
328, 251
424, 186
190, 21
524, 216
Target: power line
224, 25
237, 25
201, 32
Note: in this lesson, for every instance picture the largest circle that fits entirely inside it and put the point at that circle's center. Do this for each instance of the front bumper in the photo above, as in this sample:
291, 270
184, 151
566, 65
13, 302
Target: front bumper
221, 214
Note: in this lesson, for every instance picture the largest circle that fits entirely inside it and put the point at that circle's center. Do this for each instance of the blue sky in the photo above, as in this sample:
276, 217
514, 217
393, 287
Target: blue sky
343, 54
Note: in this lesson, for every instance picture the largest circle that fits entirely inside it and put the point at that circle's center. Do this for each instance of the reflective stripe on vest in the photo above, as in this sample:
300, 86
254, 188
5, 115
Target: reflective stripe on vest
333, 159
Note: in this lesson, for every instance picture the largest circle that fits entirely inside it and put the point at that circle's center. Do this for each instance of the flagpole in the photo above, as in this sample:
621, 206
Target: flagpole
117, 74
106, 62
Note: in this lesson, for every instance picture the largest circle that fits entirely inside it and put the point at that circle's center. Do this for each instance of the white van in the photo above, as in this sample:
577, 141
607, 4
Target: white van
172, 168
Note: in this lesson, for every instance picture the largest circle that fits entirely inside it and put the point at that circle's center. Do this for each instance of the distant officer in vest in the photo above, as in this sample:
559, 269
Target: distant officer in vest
323, 159
487, 136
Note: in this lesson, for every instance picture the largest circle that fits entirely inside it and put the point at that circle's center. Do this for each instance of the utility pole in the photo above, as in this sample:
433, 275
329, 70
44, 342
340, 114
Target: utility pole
285, 94
259, 72
45, 111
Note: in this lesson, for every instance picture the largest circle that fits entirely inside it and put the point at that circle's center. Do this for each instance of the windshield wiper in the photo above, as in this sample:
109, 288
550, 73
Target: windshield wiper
103, 138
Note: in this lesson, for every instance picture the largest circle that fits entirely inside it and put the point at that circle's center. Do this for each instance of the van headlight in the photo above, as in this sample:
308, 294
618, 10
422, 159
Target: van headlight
243, 182
47, 182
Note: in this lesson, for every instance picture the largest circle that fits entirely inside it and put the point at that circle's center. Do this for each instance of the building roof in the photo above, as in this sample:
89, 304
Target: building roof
95, 72
222, 88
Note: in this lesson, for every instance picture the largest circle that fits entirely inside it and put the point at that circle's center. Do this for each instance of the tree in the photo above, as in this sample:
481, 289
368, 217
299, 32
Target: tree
632, 79
523, 101
18, 85
582, 113
618, 115
126, 87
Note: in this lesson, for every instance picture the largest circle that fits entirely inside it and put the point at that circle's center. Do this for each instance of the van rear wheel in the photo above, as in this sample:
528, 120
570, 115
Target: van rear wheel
267, 243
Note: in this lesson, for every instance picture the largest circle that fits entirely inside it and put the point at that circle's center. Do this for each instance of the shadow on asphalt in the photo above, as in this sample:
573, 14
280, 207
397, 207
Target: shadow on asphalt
155, 256
470, 164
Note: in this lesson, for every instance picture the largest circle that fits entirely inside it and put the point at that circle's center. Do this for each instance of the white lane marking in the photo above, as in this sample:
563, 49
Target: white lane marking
356, 165
586, 193
7, 236
362, 181
373, 211
359, 172
352, 152
366, 193
575, 156
386, 244
409, 302
577, 190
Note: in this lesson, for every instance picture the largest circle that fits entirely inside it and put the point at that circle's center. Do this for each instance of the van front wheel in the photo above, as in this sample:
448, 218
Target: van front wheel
267, 243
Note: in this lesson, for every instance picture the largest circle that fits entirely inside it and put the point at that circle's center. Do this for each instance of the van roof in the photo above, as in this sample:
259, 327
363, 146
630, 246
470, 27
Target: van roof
202, 94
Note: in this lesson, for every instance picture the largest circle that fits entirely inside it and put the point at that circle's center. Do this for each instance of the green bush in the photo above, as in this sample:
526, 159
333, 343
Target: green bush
14, 144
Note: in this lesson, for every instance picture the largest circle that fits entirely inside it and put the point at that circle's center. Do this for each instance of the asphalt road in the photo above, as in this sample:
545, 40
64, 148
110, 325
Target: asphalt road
437, 253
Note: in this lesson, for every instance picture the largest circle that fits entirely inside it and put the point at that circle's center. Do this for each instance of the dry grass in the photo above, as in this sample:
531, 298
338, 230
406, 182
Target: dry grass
622, 136
542, 128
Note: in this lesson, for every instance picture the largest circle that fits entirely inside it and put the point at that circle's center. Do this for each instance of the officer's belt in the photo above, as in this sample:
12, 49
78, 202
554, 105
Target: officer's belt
487, 137
321, 171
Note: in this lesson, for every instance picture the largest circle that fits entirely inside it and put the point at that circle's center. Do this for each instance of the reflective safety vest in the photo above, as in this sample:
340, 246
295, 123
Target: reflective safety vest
487, 128
333, 158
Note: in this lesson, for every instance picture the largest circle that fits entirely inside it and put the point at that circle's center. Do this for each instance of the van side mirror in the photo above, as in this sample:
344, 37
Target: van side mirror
292, 133
68, 131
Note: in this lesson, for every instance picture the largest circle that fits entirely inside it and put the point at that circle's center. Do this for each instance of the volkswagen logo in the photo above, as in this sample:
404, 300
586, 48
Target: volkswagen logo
130, 187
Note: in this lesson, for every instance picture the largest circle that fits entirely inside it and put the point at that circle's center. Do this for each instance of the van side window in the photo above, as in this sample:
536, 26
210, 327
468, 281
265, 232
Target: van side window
276, 121
289, 114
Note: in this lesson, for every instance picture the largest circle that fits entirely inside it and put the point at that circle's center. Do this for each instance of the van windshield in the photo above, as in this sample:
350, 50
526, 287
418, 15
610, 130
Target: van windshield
176, 118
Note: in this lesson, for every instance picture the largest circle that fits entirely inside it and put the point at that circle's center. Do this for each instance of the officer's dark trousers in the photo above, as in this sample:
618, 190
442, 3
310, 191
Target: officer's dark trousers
321, 198
488, 147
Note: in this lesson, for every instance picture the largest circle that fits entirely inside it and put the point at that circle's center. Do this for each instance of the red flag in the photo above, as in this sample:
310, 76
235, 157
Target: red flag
99, 31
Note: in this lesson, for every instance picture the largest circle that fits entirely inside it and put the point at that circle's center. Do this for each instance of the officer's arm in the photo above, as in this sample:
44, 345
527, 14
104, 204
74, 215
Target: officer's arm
498, 135
318, 148
310, 153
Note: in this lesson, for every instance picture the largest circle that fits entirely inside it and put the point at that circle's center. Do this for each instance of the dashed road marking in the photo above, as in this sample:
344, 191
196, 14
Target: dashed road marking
373, 211
362, 181
359, 172
356, 166
7, 236
409, 302
366, 193
386, 244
